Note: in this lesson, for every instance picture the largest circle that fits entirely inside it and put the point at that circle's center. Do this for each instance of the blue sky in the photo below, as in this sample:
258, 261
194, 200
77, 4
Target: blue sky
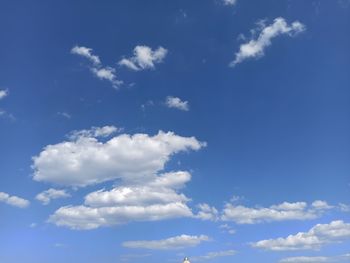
147, 131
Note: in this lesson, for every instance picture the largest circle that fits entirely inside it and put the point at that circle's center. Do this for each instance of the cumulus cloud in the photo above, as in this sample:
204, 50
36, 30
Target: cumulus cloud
255, 48
136, 161
3, 94
100, 71
144, 58
213, 255
176, 103
156, 199
86, 160
177, 242
316, 237
45, 197
13, 200
285, 211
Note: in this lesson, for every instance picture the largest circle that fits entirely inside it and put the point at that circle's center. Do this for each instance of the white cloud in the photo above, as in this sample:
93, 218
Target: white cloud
3, 93
176, 103
255, 48
228, 229
156, 199
104, 131
177, 242
321, 205
144, 58
303, 259
13, 200
45, 197
229, 2
143, 193
85, 160
286, 211
319, 235
207, 212
87, 53
344, 207
64, 114
100, 71
213, 255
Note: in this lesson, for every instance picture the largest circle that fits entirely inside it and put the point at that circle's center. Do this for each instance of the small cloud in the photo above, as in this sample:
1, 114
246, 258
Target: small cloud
33, 225
144, 58
64, 114
3, 93
50, 194
213, 255
177, 103
229, 2
255, 48
13, 200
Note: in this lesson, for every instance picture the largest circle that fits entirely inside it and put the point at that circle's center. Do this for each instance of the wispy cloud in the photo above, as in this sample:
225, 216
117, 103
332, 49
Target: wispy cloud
229, 2
255, 48
178, 242
213, 255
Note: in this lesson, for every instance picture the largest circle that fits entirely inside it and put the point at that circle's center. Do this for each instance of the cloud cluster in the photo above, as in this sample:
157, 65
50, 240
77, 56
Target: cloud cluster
45, 197
13, 200
100, 71
144, 58
255, 48
177, 103
177, 242
143, 194
316, 237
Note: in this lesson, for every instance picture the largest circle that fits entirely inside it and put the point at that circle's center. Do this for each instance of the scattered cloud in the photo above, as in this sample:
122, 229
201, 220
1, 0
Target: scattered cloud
316, 237
3, 93
213, 255
178, 242
285, 211
176, 103
100, 71
255, 48
45, 197
13, 200
144, 58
